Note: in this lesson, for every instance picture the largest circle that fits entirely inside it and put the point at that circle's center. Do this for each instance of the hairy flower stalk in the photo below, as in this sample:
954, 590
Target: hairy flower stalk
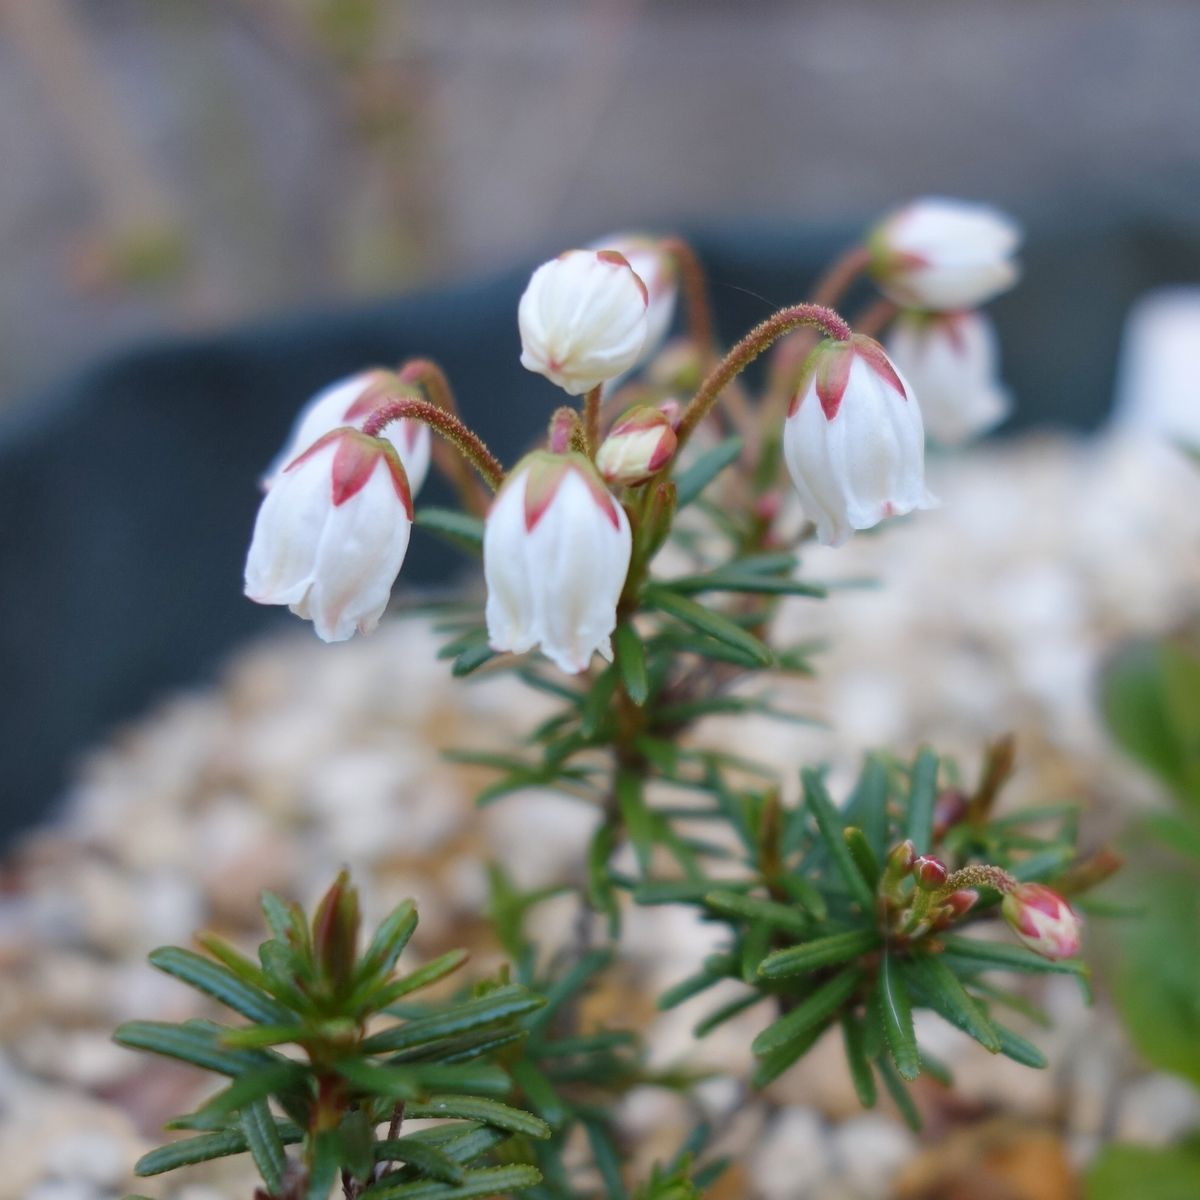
758, 340
465, 441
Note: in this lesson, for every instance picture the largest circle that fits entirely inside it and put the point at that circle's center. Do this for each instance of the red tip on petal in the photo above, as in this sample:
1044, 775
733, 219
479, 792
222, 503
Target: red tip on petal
617, 259
872, 353
352, 467
833, 374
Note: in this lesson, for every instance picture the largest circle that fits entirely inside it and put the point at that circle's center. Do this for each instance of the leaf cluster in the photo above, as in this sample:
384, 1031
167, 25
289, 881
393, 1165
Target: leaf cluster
364, 1056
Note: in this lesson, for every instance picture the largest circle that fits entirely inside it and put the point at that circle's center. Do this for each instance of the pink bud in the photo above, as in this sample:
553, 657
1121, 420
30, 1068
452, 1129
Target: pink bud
930, 872
853, 441
672, 410
639, 445
331, 534
1043, 920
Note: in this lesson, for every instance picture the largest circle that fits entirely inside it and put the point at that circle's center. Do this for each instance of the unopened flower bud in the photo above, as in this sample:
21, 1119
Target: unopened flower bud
954, 907
583, 319
672, 410
853, 442
929, 872
1043, 920
350, 402
901, 858
657, 269
639, 445
331, 534
951, 361
944, 254
556, 549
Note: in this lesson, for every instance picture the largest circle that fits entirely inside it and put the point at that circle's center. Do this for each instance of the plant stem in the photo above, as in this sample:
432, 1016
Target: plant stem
591, 420
759, 339
425, 374
464, 440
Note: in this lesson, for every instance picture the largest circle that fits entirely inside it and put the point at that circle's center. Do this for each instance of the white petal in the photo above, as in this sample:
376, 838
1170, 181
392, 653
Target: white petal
283, 549
324, 412
578, 561
360, 553
510, 612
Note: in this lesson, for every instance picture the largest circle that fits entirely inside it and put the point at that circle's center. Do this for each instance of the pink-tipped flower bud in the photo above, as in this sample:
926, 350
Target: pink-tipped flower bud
583, 319
556, 549
929, 872
1043, 920
853, 442
672, 410
331, 534
941, 254
349, 402
657, 269
639, 445
952, 908
951, 359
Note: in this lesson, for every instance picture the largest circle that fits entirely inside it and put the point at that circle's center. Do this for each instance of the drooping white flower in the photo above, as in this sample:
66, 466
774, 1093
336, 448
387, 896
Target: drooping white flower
640, 443
1043, 920
853, 441
657, 269
583, 319
331, 534
556, 549
944, 254
350, 402
951, 359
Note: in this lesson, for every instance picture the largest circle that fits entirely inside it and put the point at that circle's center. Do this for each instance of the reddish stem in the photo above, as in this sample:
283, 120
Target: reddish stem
465, 440
759, 339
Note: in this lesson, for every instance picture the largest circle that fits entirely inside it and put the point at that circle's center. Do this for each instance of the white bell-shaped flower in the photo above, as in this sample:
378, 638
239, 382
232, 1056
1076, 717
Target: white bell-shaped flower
944, 254
657, 269
350, 402
332, 533
583, 319
853, 441
951, 360
556, 551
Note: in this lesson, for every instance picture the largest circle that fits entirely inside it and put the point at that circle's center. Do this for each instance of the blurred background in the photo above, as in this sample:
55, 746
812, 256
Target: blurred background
173, 166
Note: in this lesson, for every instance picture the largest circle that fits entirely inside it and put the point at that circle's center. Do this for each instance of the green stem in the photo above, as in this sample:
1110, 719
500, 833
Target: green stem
759, 339
464, 440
